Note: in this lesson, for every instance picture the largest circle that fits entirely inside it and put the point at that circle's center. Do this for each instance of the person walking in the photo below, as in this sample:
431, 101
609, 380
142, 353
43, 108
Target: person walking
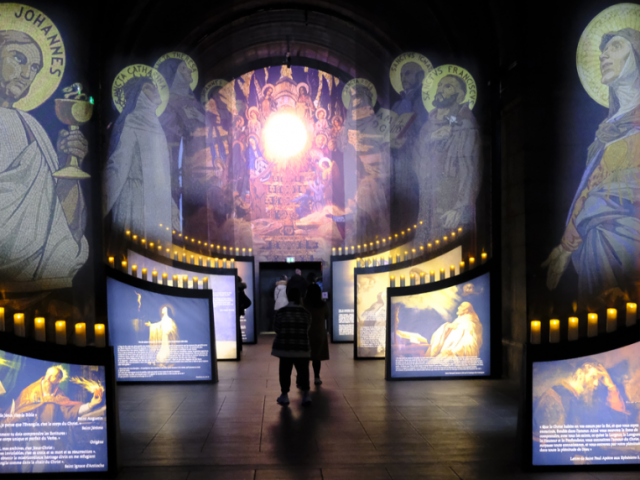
291, 345
280, 294
318, 332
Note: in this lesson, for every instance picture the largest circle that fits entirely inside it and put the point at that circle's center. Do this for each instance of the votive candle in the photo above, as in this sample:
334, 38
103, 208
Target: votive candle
154, 276
195, 283
535, 332
612, 320
632, 311
100, 335
184, 257
185, 281
412, 280
18, 324
402, 280
61, 332
134, 270
432, 276
40, 332
461, 267
1, 319
175, 280
442, 273
112, 262
397, 258
554, 331
573, 328
423, 278
205, 283
393, 281
452, 271
144, 274
81, 335
472, 262
592, 325
165, 278
124, 266
483, 257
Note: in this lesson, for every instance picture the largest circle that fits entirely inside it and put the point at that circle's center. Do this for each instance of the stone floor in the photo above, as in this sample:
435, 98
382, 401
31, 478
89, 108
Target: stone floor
359, 426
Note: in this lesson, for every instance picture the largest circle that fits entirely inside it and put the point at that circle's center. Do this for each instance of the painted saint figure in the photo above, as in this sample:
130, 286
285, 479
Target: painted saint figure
161, 336
45, 254
47, 402
602, 232
137, 183
184, 124
447, 163
460, 338
405, 184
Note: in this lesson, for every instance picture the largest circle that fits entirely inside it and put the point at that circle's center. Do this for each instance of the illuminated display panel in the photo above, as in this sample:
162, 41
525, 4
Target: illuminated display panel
371, 304
159, 337
442, 333
54, 416
343, 301
224, 300
247, 321
585, 410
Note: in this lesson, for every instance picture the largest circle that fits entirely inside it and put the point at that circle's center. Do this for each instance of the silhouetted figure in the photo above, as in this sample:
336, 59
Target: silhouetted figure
318, 332
298, 281
291, 345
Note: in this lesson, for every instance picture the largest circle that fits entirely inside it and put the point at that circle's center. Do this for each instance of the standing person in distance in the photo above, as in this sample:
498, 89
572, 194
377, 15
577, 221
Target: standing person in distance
280, 294
318, 332
298, 281
291, 345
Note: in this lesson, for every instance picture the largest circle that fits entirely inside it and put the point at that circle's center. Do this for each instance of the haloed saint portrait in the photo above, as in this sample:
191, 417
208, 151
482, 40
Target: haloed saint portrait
602, 231
43, 212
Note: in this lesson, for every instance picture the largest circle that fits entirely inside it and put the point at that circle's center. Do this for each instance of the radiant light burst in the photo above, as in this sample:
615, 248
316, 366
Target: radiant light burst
285, 135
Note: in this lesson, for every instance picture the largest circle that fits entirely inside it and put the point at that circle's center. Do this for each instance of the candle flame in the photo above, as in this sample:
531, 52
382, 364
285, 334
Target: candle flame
89, 385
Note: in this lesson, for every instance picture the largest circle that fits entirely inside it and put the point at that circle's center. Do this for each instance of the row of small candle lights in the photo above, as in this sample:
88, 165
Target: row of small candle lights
215, 263
592, 325
157, 246
379, 261
175, 280
382, 244
432, 273
39, 324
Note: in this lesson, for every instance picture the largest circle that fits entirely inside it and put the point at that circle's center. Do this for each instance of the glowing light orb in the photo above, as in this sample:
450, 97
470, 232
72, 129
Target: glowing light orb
285, 135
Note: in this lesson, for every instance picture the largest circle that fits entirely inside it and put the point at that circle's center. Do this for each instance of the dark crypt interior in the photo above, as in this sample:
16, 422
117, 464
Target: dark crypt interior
426, 209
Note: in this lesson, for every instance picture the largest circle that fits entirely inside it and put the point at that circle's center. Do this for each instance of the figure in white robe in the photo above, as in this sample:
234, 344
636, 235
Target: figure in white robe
137, 183
460, 338
161, 336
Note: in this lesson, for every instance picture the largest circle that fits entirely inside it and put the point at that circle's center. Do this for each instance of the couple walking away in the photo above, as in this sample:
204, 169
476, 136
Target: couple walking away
301, 336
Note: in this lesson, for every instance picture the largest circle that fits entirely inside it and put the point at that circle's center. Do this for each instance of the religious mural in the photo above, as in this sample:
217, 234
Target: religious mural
602, 230
290, 161
43, 107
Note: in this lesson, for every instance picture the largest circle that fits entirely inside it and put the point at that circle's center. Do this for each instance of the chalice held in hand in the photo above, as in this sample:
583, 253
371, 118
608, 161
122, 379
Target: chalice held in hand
73, 110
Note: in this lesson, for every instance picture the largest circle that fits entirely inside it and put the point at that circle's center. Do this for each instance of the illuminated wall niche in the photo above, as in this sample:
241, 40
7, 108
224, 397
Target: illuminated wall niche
232, 177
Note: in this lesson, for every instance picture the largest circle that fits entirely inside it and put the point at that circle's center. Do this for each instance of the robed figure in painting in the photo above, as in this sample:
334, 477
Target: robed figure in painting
460, 338
184, 124
162, 334
602, 232
42, 243
137, 184
447, 163
47, 402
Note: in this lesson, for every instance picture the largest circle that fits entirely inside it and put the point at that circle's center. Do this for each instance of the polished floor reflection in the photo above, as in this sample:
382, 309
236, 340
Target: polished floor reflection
359, 426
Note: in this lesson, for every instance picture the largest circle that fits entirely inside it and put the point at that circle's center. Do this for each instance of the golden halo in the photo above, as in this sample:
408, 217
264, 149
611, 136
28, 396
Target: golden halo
207, 88
400, 61
25, 19
431, 81
617, 17
186, 59
139, 70
346, 93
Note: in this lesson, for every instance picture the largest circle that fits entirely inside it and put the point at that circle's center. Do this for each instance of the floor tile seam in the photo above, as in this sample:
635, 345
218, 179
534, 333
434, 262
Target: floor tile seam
359, 421
213, 424
412, 426
264, 405
162, 426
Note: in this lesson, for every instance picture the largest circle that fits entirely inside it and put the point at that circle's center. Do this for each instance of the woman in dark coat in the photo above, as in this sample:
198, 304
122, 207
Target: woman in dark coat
318, 331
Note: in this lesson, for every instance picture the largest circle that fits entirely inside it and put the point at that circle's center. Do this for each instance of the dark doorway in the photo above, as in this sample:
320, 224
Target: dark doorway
270, 273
